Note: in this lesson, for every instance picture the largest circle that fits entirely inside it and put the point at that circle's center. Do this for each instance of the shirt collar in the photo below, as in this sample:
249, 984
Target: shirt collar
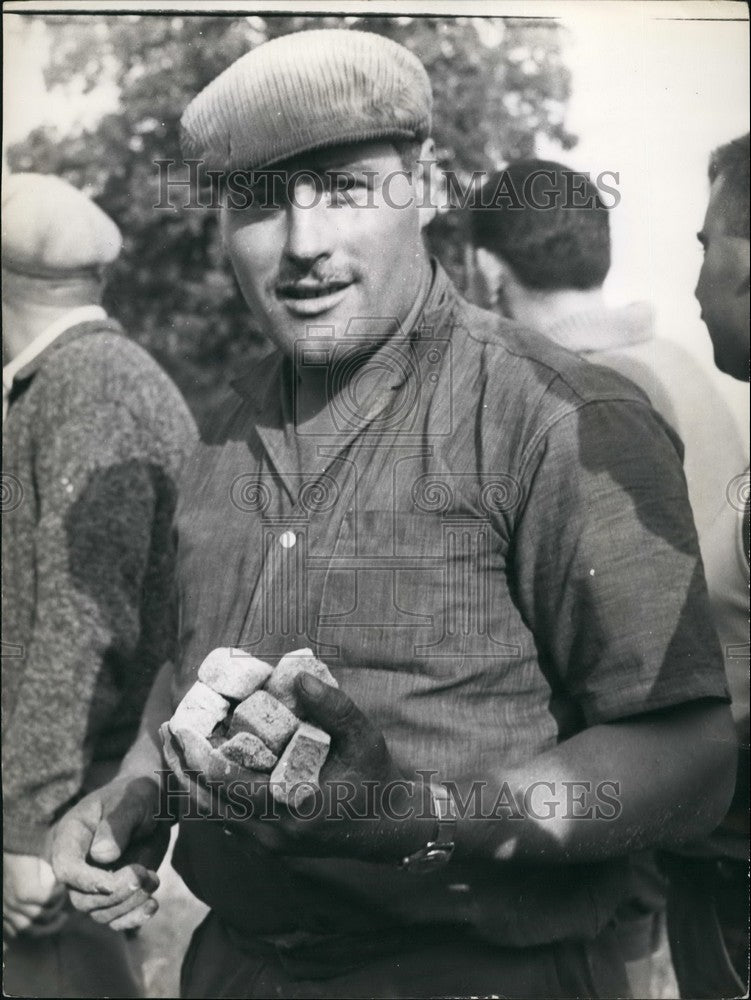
74, 317
604, 329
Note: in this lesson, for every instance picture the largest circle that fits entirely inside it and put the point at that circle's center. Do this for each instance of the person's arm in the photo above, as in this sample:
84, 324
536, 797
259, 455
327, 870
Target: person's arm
97, 500
607, 573
144, 758
96, 495
124, 821
652, 781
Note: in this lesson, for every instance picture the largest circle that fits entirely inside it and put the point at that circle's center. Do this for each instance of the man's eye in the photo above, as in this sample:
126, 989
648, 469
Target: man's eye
258, 198
348, 190
251, 211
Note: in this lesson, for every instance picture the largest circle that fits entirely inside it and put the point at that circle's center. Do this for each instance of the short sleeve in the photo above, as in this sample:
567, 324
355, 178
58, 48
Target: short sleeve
607, 567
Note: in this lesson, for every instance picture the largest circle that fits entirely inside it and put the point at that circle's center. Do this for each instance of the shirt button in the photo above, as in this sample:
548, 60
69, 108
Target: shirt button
287, 540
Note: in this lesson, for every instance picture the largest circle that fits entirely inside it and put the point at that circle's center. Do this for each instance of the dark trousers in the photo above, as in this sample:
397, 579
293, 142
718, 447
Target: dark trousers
84, 959
708, 926
215, 966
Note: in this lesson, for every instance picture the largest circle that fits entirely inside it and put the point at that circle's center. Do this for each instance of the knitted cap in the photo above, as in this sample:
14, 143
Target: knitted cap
50, 229
306, 91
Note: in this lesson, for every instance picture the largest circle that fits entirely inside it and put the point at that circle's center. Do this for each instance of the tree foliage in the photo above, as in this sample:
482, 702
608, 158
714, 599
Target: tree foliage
497, 85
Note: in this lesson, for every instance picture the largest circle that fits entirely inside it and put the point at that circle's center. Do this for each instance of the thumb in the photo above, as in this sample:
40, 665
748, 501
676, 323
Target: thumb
114, 832
332, 710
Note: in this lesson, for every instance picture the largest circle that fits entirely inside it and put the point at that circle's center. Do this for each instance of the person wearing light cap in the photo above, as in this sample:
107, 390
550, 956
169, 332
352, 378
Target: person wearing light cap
56, 245
94, 435
486, 539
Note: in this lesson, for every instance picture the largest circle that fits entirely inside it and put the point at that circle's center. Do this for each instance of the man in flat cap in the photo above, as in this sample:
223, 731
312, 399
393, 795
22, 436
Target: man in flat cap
94, 435
486, 539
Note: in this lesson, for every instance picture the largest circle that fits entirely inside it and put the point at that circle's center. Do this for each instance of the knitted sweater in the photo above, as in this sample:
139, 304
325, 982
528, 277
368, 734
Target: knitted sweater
93, 442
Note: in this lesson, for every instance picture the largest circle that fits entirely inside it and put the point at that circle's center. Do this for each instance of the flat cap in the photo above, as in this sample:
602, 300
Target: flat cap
50, 229
305, 91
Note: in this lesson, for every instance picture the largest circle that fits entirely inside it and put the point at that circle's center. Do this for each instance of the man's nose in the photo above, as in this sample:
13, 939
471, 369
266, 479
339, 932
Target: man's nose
310, 231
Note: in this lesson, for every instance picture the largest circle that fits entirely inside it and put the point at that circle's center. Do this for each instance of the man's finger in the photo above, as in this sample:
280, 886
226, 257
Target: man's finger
111, 837
124, 884
33, 910
119, 902
195, 749
174, 754
48, 927
51, 909
220, 770
108, 914
188, 756
69, 850
137, 917
24, 908
135, 877
35, 897
331, 709
87, 901
19, 921
148, 852
122, 820
172, 758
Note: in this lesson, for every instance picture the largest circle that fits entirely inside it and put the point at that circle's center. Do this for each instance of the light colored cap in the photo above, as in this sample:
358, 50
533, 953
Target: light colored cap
51, 230
306, 91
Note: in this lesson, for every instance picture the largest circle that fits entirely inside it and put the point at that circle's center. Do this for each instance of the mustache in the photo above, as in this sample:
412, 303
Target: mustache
292, 275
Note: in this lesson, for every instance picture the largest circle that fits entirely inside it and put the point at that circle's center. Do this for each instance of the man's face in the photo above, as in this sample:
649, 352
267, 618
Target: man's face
723, 289
324, 257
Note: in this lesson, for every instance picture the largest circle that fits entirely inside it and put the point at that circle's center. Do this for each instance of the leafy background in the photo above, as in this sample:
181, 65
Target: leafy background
498, 84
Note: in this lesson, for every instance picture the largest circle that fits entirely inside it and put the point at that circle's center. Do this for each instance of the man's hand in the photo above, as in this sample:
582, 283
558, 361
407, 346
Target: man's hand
33, 899
365, 807
115, 825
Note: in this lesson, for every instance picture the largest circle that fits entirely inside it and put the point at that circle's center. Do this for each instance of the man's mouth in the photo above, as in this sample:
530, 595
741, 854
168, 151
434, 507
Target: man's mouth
308, 298
310, 290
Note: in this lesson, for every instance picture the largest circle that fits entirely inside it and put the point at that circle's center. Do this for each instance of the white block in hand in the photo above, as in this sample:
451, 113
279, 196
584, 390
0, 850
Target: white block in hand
249, 752
233, 673
296, 775
201, 710
266, 718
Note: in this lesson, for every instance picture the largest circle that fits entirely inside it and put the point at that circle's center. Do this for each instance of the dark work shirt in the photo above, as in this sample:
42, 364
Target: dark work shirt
489, 543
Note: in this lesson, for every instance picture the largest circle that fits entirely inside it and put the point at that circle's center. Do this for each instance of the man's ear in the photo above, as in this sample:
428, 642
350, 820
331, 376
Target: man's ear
430, 184
493, 273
